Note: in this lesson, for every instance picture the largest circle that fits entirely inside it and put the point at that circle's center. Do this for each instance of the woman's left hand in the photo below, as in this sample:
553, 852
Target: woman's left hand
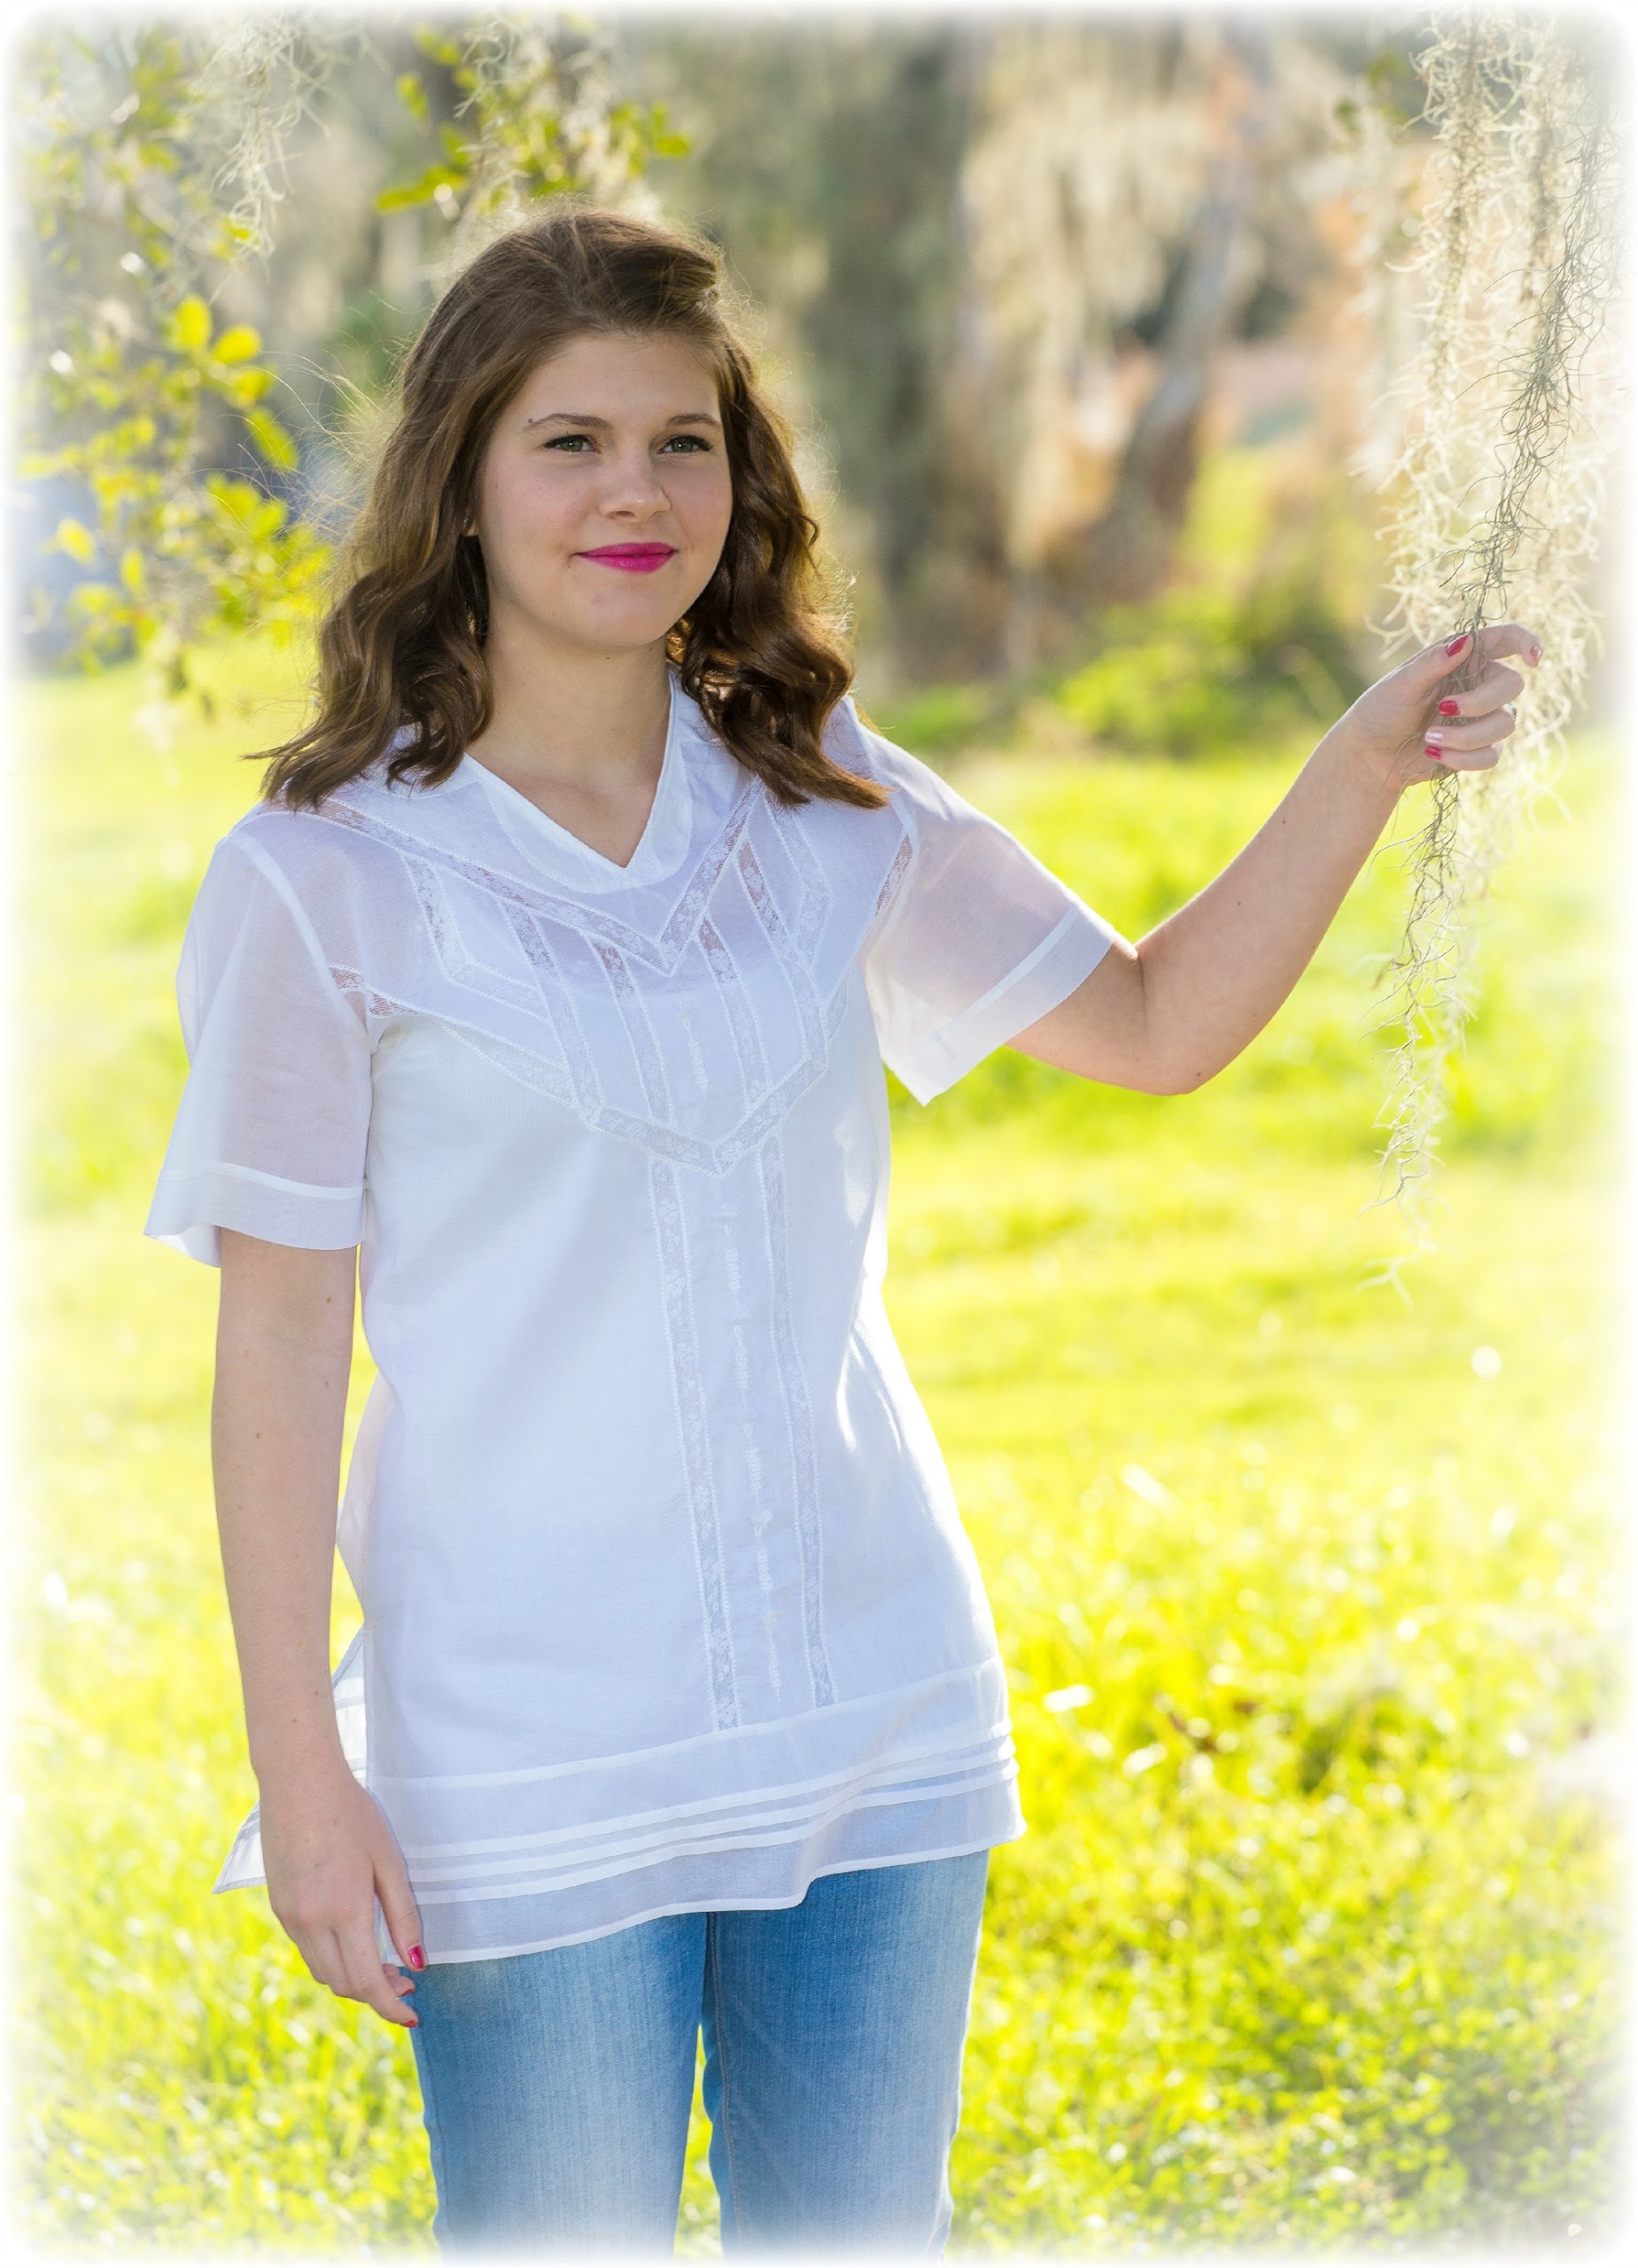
1415, 724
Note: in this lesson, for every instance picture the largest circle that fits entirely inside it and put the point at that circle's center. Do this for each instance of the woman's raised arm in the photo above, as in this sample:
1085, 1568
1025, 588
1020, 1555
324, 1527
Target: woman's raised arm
1168, 1013
283, 1350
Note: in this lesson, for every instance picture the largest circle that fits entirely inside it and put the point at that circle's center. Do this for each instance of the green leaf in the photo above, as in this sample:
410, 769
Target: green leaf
237, 345
134, 573
245, 387
74, 538
422, 191
271, 440
234, 495
190, 327
651, 127
439, 48
413, 95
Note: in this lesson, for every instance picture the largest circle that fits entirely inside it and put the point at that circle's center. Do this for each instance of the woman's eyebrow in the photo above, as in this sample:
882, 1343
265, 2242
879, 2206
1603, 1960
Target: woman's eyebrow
572, 417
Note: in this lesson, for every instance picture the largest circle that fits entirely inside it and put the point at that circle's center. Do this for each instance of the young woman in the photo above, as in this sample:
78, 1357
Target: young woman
550, 982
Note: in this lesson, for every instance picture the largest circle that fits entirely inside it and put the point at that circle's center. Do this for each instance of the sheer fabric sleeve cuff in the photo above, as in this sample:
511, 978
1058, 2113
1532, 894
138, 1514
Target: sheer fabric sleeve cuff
190, 1208
979, 939
1046, 977
271, 1130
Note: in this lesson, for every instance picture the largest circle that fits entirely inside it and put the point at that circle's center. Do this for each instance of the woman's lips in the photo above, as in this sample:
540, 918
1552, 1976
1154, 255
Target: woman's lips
632, 558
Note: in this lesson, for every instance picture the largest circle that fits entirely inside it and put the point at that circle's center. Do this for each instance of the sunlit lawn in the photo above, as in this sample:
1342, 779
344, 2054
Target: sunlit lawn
1306, 1594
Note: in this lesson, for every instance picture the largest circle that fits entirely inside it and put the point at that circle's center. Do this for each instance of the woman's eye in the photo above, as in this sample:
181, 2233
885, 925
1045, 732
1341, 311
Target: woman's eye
576, 444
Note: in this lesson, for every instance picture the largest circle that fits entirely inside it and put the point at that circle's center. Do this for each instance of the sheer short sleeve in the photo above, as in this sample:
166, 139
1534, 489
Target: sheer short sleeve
979, 940
270, 1133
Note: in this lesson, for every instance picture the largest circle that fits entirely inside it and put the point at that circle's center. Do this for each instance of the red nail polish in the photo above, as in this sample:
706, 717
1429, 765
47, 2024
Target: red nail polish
417, 1959
1456, 644
1438, 754
1450, 708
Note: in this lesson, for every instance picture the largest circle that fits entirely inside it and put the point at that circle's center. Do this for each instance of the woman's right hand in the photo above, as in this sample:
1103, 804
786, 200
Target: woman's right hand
329, 1853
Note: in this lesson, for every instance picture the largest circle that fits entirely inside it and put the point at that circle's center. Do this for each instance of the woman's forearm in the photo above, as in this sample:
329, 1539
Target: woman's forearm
1216, 972
1167, 1015
284, 1349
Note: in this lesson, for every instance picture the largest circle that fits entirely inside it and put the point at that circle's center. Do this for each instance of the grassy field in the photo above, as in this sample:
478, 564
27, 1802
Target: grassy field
1305, 1585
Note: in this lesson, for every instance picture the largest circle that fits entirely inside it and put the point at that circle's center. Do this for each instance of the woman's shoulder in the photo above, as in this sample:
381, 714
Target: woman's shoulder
350, 825
342, 852
916, 790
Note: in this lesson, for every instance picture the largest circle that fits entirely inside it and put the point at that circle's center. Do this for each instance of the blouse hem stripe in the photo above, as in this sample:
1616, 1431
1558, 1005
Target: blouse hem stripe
703, 1846
655, 1830
739, 1904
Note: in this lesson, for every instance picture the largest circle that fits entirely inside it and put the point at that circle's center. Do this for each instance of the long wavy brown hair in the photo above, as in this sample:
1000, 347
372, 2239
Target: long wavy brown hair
401, 644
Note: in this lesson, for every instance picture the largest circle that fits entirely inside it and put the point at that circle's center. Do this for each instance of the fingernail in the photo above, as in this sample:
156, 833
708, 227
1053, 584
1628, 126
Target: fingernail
1437, 754
1450, 708
1435, 739
1456, 644
417, 1959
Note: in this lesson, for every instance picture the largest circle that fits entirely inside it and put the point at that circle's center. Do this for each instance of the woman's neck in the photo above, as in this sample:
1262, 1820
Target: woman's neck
589, 722
582, 734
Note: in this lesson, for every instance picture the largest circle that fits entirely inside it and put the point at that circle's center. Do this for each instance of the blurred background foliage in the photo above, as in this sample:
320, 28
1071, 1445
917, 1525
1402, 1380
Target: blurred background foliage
1022, 284
1088, 328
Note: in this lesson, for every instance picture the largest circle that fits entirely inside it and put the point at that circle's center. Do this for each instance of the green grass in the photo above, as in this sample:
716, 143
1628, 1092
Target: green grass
1305, 1943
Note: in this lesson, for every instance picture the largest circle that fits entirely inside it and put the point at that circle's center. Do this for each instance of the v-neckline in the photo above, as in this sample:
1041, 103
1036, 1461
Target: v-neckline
663, 829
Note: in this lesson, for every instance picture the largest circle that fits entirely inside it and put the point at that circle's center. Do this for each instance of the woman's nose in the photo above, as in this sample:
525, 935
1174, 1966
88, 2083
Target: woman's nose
633, 485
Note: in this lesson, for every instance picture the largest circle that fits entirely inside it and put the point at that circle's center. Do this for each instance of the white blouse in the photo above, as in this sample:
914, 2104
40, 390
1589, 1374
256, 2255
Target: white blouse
667, 1603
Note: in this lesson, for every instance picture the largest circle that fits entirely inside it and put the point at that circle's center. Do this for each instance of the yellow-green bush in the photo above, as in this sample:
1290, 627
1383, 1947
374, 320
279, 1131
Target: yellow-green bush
1199, 672
1256, 637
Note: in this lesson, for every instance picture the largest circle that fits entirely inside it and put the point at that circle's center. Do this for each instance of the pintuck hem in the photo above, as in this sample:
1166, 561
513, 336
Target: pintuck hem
941, 1782
726, 1904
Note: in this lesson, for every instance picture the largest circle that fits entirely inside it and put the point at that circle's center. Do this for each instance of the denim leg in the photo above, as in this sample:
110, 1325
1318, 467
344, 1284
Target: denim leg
557, 2089
834, 2033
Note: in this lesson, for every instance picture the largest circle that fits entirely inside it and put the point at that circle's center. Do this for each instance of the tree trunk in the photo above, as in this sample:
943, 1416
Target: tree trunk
1126, 555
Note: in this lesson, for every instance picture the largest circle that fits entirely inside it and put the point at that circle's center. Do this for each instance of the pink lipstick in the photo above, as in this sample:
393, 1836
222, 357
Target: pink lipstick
632, 558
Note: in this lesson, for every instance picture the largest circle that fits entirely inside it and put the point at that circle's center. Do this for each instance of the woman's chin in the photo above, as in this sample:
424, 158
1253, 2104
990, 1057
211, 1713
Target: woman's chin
601, 629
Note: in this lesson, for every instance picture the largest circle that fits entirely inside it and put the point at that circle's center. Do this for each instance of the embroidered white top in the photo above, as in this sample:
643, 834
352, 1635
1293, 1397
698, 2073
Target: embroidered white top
667, 1603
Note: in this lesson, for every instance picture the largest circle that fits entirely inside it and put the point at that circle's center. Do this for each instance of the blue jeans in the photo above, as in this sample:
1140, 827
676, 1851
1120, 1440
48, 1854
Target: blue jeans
557, 2086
